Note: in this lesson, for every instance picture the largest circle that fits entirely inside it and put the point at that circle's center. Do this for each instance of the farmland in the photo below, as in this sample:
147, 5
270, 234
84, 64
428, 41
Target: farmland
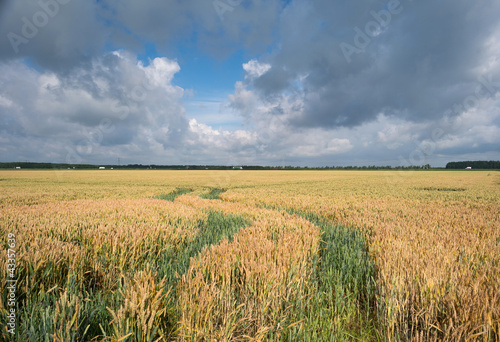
251, 255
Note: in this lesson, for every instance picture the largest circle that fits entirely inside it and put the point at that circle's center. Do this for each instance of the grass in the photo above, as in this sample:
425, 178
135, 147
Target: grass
218, 226
341, 304
213, 194
174, 194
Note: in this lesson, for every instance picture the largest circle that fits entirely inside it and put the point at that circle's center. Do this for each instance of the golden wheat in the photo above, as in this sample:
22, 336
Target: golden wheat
434, 238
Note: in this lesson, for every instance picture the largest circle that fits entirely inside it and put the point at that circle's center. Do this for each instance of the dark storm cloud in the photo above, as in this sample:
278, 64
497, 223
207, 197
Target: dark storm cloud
403, 58
54, 34
419, 61
61, 34
274, 81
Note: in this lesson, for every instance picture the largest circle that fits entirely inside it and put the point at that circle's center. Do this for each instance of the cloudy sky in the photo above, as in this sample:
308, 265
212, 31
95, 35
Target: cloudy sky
239, 82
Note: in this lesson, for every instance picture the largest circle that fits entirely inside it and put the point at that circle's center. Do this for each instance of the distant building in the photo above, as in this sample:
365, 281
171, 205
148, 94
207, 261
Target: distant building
468, 168
18, 168
102, 168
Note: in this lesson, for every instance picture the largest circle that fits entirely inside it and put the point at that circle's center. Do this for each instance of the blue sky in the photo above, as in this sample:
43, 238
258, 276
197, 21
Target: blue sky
209, 81
250, 82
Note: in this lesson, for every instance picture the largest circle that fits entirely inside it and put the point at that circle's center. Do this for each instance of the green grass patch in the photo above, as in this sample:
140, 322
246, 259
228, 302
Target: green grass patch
340, 306
174, 194
217, 227
213, 194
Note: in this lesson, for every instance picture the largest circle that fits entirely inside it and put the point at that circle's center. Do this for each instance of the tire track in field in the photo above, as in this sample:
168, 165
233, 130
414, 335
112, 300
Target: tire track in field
338, 300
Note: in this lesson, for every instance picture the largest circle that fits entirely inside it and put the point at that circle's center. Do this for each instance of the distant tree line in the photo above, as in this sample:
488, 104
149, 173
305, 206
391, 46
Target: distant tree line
61, 166
33, 165
479, 164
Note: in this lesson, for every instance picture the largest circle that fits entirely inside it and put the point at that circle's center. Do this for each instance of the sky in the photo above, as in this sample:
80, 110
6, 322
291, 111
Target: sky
250, 82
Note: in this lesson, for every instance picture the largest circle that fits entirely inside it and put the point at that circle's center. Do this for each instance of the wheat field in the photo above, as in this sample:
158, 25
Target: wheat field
237, 255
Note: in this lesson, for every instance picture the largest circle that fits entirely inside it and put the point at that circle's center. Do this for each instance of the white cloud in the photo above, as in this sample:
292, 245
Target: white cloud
160, 72
396, 133
5, 102
338, 146
95, 111
256, 69
221, 140
316, 147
